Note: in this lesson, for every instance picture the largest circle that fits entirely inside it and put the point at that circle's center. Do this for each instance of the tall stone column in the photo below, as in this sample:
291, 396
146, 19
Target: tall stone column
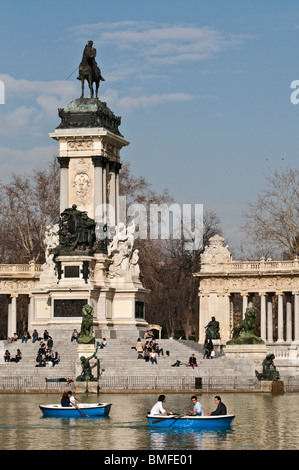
100, 197
64, 182
114, 168
296, 316
263, 316
30, 311
112, 199
245, 303
269, 319
12, 316
289, 319
280, 317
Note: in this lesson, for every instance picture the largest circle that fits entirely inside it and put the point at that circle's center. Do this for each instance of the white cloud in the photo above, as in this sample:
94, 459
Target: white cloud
37, 102
22, 161
130, 103
14, 121
27, 89
159, 42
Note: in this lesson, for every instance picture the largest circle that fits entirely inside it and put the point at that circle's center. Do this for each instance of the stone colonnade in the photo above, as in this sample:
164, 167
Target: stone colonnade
287, 314
16, 280
275, 282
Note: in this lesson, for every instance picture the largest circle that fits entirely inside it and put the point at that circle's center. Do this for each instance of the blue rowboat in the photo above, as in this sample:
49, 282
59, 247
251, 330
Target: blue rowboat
84, 410
193, 423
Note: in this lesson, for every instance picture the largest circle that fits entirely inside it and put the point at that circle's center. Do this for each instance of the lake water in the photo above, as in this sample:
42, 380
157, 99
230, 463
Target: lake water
262, 422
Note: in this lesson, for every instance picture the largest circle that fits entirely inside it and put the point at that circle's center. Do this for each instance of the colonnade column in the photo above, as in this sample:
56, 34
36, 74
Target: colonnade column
269, 319
245, 303
64, 182
280, 317
30, 311
296, 316
263, 316
289, 319
12, 316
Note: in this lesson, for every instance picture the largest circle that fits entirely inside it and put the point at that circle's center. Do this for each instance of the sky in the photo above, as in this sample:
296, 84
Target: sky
203, 88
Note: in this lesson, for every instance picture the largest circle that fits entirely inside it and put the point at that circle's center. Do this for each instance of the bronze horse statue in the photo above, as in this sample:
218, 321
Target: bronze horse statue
89, 70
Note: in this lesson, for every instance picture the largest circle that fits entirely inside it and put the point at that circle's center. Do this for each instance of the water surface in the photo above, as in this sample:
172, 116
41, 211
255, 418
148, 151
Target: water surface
263, 422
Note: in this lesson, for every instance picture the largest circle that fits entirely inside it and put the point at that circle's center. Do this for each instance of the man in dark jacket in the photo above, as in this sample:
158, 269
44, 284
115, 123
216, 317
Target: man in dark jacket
221, 408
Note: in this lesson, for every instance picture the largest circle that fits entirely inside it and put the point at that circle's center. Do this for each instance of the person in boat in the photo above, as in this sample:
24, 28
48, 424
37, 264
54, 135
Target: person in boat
72, 398
221, 408
158, 409
65, 399
197, 407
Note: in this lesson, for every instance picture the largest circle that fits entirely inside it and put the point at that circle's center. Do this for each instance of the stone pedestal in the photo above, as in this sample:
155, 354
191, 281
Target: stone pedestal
272, 386
86, 350
87, 387
253, 351
218, 345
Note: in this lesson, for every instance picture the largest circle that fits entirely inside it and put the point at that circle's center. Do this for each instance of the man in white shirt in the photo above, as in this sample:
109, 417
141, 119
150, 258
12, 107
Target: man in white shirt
72, 399
158, 409
197, 407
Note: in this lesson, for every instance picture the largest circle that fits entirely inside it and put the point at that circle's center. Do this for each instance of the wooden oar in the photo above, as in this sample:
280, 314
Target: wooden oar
79, 409
178, 417
167, 417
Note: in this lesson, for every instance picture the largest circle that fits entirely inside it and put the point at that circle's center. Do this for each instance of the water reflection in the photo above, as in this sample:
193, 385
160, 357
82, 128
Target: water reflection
186, 440
263, 422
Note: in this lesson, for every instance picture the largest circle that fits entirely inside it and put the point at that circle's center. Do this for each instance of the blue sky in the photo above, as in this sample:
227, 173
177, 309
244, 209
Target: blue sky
203, 88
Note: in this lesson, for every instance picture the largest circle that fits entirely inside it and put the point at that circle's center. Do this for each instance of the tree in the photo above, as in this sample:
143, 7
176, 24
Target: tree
166, 266
273, 219
27, 205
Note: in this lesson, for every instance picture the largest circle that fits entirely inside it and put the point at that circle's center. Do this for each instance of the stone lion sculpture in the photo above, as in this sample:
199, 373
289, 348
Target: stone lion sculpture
243, 331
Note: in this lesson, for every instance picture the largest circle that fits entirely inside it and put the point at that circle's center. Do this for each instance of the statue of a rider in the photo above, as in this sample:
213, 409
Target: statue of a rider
89, 70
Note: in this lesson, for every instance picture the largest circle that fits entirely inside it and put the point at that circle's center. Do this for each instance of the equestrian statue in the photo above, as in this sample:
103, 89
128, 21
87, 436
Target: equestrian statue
89, 70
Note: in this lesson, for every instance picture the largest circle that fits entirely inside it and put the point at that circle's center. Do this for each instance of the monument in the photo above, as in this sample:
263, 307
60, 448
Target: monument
90, 255
244, 342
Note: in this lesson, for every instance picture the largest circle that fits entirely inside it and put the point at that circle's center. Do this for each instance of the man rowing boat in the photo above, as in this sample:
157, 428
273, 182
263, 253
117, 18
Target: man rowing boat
67, 399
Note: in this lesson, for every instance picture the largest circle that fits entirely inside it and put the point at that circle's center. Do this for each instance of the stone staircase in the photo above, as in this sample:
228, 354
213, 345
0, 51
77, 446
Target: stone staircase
120, 367
13, 375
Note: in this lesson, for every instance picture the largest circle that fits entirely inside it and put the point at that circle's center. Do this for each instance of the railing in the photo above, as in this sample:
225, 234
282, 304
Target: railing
29, 383
177, 383
260, 266
229, 384
263, 265
20, 269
